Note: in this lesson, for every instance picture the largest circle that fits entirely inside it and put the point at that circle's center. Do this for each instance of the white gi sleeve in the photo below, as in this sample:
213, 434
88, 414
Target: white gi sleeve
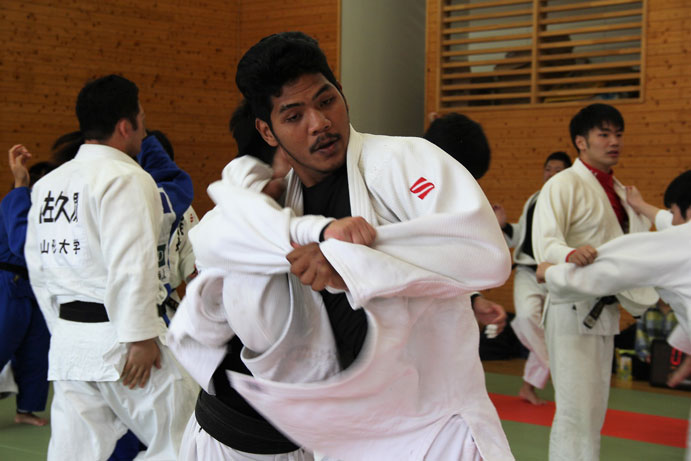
250, 232
663, 220
629, 262
219, 305
130, 217
199, 331
247, 172
550, 222
636, 260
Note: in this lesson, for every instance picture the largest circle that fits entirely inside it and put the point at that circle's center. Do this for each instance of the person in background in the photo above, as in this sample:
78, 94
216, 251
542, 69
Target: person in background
577, 210
24, 337
180, 254
658, 259
528, 295
91, 243
176, 192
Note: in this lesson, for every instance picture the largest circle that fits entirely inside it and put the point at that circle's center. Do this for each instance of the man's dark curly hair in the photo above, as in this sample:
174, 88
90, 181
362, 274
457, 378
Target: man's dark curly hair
274, 61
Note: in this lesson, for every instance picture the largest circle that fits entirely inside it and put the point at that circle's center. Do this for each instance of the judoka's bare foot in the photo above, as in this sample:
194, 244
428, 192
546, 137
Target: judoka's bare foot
528, 393
30, 418
681, 373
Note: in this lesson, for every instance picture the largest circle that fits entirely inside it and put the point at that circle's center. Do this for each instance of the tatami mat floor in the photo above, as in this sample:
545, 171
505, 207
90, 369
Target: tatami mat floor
644, 423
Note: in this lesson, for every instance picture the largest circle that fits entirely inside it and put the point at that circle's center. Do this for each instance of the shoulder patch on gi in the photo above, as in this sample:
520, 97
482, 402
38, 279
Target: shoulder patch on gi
422, 187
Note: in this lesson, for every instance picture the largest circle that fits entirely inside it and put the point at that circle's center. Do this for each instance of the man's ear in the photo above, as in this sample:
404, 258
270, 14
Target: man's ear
265, 131
123, 127
581, 142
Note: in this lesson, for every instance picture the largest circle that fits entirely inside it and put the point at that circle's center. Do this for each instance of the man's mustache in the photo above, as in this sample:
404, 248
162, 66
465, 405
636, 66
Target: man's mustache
324, 139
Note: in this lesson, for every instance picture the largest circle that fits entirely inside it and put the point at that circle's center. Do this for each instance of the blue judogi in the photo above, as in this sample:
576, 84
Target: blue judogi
24, 337
176, 183
175, 187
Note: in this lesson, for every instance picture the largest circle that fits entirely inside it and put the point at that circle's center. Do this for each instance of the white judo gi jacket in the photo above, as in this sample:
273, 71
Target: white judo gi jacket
75, 250
438, 241
528, 301
573, 210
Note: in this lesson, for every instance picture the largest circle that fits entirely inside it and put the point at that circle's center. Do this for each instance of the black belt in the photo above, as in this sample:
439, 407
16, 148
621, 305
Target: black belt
81, 311
85, 312
17, 270
594, 314
237, 430
529, 266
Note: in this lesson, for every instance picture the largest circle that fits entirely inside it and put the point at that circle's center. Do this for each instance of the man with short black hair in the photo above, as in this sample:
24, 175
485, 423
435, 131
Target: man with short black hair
660, 259
579, 209
412, 385
91, 254
463, 139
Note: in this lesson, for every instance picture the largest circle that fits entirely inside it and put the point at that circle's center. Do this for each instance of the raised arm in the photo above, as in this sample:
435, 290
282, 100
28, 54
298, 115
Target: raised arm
639, 205
16, 204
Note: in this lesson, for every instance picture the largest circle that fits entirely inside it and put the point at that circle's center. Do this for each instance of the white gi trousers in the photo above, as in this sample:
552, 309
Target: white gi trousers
7, 383
198, 445
88, 417
529, 298
581, 373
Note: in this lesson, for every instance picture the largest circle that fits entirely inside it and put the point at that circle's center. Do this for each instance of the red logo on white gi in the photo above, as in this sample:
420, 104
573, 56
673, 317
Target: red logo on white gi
421, 188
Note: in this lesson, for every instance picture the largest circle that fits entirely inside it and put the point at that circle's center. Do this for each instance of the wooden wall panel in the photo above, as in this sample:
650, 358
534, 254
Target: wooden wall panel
182, 58
657, 143
320, 19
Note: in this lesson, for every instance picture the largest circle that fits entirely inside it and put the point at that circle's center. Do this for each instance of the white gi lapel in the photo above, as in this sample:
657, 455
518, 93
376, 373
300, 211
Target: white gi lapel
294, 193
360, 204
